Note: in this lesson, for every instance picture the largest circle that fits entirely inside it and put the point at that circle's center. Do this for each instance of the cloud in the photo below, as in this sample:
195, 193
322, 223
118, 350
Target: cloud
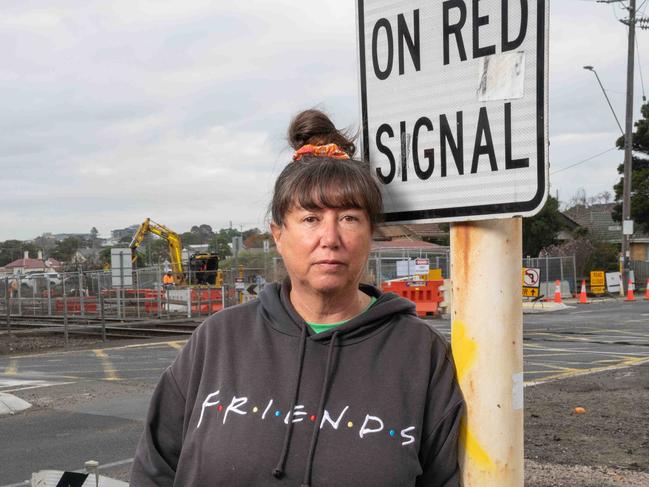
116, 111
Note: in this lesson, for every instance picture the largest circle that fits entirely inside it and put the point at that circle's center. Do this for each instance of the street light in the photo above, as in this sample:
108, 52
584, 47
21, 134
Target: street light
590, 68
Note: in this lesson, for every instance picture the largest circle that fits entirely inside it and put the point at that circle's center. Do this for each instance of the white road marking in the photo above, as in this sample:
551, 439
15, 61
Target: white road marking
38, 386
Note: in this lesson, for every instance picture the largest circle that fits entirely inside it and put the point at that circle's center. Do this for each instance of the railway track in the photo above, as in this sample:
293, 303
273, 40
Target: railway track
114, 328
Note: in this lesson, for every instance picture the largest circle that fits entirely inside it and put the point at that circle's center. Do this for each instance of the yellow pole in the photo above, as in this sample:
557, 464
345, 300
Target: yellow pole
487, 343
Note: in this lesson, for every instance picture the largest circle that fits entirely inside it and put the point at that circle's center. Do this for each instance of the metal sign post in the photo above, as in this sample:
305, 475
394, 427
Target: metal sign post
454, 113
487, 343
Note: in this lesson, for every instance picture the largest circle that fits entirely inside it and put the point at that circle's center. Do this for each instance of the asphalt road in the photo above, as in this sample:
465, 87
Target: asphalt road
89, 404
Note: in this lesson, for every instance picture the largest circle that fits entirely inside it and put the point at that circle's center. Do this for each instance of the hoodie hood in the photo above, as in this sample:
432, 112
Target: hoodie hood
278, 311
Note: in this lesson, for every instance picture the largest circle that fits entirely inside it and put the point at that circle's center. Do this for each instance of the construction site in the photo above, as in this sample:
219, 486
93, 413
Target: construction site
362, 244
94, 342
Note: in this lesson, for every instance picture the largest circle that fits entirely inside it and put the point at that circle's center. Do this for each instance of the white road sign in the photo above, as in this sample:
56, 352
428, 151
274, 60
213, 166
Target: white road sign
531, 276
422, 266
454, 106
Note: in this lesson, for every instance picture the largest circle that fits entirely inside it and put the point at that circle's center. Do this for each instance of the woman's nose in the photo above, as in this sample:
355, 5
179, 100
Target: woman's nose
330, 236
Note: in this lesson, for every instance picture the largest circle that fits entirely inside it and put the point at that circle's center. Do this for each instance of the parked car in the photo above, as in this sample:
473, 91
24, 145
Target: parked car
40, 279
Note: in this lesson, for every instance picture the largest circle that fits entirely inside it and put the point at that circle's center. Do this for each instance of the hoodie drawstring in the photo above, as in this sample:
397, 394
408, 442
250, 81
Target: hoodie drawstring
316, 427
278, 472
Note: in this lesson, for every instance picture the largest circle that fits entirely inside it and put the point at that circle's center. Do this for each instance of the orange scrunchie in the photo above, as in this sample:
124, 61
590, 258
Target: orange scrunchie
329, 150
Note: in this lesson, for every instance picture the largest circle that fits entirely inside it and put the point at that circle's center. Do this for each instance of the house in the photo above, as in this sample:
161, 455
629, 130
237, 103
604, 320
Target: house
120, 233
599, 222
26, 265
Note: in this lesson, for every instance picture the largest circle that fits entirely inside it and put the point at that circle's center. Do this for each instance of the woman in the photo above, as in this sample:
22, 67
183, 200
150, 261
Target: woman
322, 381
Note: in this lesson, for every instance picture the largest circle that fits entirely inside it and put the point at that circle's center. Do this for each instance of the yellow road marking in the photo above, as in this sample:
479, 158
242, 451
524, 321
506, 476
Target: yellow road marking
628, 362
177, 344
109, 369
12, 368
549, 366
121, 347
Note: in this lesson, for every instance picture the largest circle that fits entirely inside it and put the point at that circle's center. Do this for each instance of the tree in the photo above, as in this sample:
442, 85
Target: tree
93, 237
541, 230
104, 256
190, 238
11, 250
639, 175
590, 253
66, 248
220, 245
157, 250
200, 234
256, 240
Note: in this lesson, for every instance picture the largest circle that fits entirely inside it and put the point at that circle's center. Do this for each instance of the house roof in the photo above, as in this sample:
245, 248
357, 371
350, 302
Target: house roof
598, 220
26, 264
406, 244
426, 229
410, 231
32, 264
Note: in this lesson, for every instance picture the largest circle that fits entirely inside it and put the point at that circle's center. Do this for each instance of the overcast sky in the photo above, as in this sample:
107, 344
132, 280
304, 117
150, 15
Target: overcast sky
177, 110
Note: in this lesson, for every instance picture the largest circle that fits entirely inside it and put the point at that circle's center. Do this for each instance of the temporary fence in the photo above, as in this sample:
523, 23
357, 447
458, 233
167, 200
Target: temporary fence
142, 295
383, 265
108, 295
640, 273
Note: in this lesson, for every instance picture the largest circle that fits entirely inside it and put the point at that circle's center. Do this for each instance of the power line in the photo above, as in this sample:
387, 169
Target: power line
584, 160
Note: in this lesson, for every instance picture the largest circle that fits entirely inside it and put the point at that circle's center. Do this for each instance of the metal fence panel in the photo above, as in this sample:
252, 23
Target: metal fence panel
640, 273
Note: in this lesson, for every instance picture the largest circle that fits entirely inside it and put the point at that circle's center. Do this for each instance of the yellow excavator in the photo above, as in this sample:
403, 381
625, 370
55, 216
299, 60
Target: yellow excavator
203, 265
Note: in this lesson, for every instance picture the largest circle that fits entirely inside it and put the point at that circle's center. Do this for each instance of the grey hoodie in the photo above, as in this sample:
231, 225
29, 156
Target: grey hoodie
374, 401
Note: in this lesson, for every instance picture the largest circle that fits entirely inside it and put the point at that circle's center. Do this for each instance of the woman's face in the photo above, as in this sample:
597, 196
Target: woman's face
324, 250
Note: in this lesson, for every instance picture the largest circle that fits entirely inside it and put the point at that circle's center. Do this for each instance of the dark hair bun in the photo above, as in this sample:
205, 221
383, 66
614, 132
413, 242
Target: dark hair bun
314, 127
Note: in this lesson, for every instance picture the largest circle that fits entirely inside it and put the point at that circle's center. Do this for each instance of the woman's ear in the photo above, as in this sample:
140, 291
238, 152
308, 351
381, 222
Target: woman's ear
276, 231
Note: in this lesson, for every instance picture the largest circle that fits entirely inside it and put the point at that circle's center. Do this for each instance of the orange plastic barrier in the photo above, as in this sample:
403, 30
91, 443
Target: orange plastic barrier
203, 298
74, 305
425, 294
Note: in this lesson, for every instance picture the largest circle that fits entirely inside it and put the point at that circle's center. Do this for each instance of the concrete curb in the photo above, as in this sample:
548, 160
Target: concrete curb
543, 307
10, 404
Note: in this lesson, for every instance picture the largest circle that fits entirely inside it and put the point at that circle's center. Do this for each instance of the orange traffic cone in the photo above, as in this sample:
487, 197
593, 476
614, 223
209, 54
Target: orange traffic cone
646, 293
557, 291
629, 293
582, 294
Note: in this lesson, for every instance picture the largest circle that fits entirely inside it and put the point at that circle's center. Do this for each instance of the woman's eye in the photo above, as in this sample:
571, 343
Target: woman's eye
310, 219
350, 218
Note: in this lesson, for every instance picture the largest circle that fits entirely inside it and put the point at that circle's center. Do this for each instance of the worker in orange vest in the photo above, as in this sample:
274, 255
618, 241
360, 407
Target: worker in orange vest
168, 280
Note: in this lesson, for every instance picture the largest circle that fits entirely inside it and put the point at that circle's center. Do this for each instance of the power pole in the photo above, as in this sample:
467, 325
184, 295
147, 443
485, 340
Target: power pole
627, 223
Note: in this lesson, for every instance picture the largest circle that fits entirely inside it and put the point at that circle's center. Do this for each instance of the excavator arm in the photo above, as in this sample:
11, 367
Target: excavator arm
173, 241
